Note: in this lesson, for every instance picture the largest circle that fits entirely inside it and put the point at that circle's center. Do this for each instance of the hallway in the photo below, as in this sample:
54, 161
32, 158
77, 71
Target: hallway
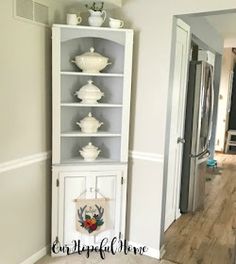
208, 237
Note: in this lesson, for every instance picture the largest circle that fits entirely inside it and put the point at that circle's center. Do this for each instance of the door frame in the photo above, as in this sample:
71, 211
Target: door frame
228, 107
177, 179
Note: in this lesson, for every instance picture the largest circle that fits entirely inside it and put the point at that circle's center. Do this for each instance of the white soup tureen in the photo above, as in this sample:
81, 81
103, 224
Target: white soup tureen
89, 124
89, 152
89, 93
91, 62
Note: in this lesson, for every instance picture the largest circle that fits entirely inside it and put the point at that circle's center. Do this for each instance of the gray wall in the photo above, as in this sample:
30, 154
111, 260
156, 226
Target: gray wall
25, 118
25, 212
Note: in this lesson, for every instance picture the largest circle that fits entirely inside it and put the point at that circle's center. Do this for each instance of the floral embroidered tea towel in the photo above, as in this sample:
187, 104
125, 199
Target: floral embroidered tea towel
91, 215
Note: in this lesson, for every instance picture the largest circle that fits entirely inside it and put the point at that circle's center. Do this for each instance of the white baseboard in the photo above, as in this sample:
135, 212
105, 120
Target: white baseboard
178, 214
151, 252
162, 251
36, 256
168, 222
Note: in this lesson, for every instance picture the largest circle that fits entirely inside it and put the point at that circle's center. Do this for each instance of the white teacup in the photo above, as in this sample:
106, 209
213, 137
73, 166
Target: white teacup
73, 19
116, 23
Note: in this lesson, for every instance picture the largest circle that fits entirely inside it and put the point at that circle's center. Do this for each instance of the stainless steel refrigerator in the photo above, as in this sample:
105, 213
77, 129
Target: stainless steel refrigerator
198, 126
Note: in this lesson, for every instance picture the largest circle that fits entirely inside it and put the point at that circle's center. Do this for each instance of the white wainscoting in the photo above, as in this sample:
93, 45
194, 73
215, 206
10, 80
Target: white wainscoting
146, 156
24, 161
157, 158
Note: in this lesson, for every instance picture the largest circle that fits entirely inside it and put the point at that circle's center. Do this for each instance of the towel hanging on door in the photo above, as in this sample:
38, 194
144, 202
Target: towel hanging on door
91, 215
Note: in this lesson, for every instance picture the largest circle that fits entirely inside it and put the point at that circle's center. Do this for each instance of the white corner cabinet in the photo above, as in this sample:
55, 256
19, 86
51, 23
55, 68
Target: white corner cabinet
107, 175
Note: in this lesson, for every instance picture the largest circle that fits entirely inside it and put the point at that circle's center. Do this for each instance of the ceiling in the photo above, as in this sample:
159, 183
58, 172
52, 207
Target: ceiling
225, 24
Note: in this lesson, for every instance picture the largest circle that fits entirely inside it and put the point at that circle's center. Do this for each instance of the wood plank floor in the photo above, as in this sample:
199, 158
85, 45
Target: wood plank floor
208, 237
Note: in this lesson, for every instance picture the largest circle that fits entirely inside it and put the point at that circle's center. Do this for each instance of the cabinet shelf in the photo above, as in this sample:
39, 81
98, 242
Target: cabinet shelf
80, 160
80, 134
90, 105
92, 74
114, 82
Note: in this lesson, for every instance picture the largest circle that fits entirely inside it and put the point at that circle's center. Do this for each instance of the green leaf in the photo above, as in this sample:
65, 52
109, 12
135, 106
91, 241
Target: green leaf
87, 217
100, 222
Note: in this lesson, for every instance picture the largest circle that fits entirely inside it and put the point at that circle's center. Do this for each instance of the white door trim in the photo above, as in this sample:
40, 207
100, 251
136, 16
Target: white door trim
174, 165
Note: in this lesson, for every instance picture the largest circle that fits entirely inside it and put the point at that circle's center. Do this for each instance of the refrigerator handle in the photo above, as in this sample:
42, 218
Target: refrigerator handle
212, 106
203, 153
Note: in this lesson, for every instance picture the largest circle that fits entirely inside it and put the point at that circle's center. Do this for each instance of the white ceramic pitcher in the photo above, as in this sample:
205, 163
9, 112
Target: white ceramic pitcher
97, 18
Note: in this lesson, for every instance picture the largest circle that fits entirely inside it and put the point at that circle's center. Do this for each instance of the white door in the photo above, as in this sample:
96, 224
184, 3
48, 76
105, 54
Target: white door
91, 185
229, 97
179, 81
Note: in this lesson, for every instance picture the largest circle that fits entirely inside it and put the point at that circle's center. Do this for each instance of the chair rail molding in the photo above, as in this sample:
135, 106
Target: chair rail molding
133, 154
24, 161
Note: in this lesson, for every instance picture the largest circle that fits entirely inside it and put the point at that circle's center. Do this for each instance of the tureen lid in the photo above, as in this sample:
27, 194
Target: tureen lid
90, 146
90, 119
90, 86
92, 53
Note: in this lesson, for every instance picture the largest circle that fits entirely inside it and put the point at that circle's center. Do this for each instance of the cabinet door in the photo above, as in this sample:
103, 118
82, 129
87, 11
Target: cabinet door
108, 184
71, 185
93, 185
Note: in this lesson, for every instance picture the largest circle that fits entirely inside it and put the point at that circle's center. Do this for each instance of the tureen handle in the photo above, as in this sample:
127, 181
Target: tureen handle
78, 123
105, 15
100, 124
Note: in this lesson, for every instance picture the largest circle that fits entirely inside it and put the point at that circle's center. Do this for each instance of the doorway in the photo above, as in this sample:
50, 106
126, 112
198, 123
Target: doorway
186, 231
227, 102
